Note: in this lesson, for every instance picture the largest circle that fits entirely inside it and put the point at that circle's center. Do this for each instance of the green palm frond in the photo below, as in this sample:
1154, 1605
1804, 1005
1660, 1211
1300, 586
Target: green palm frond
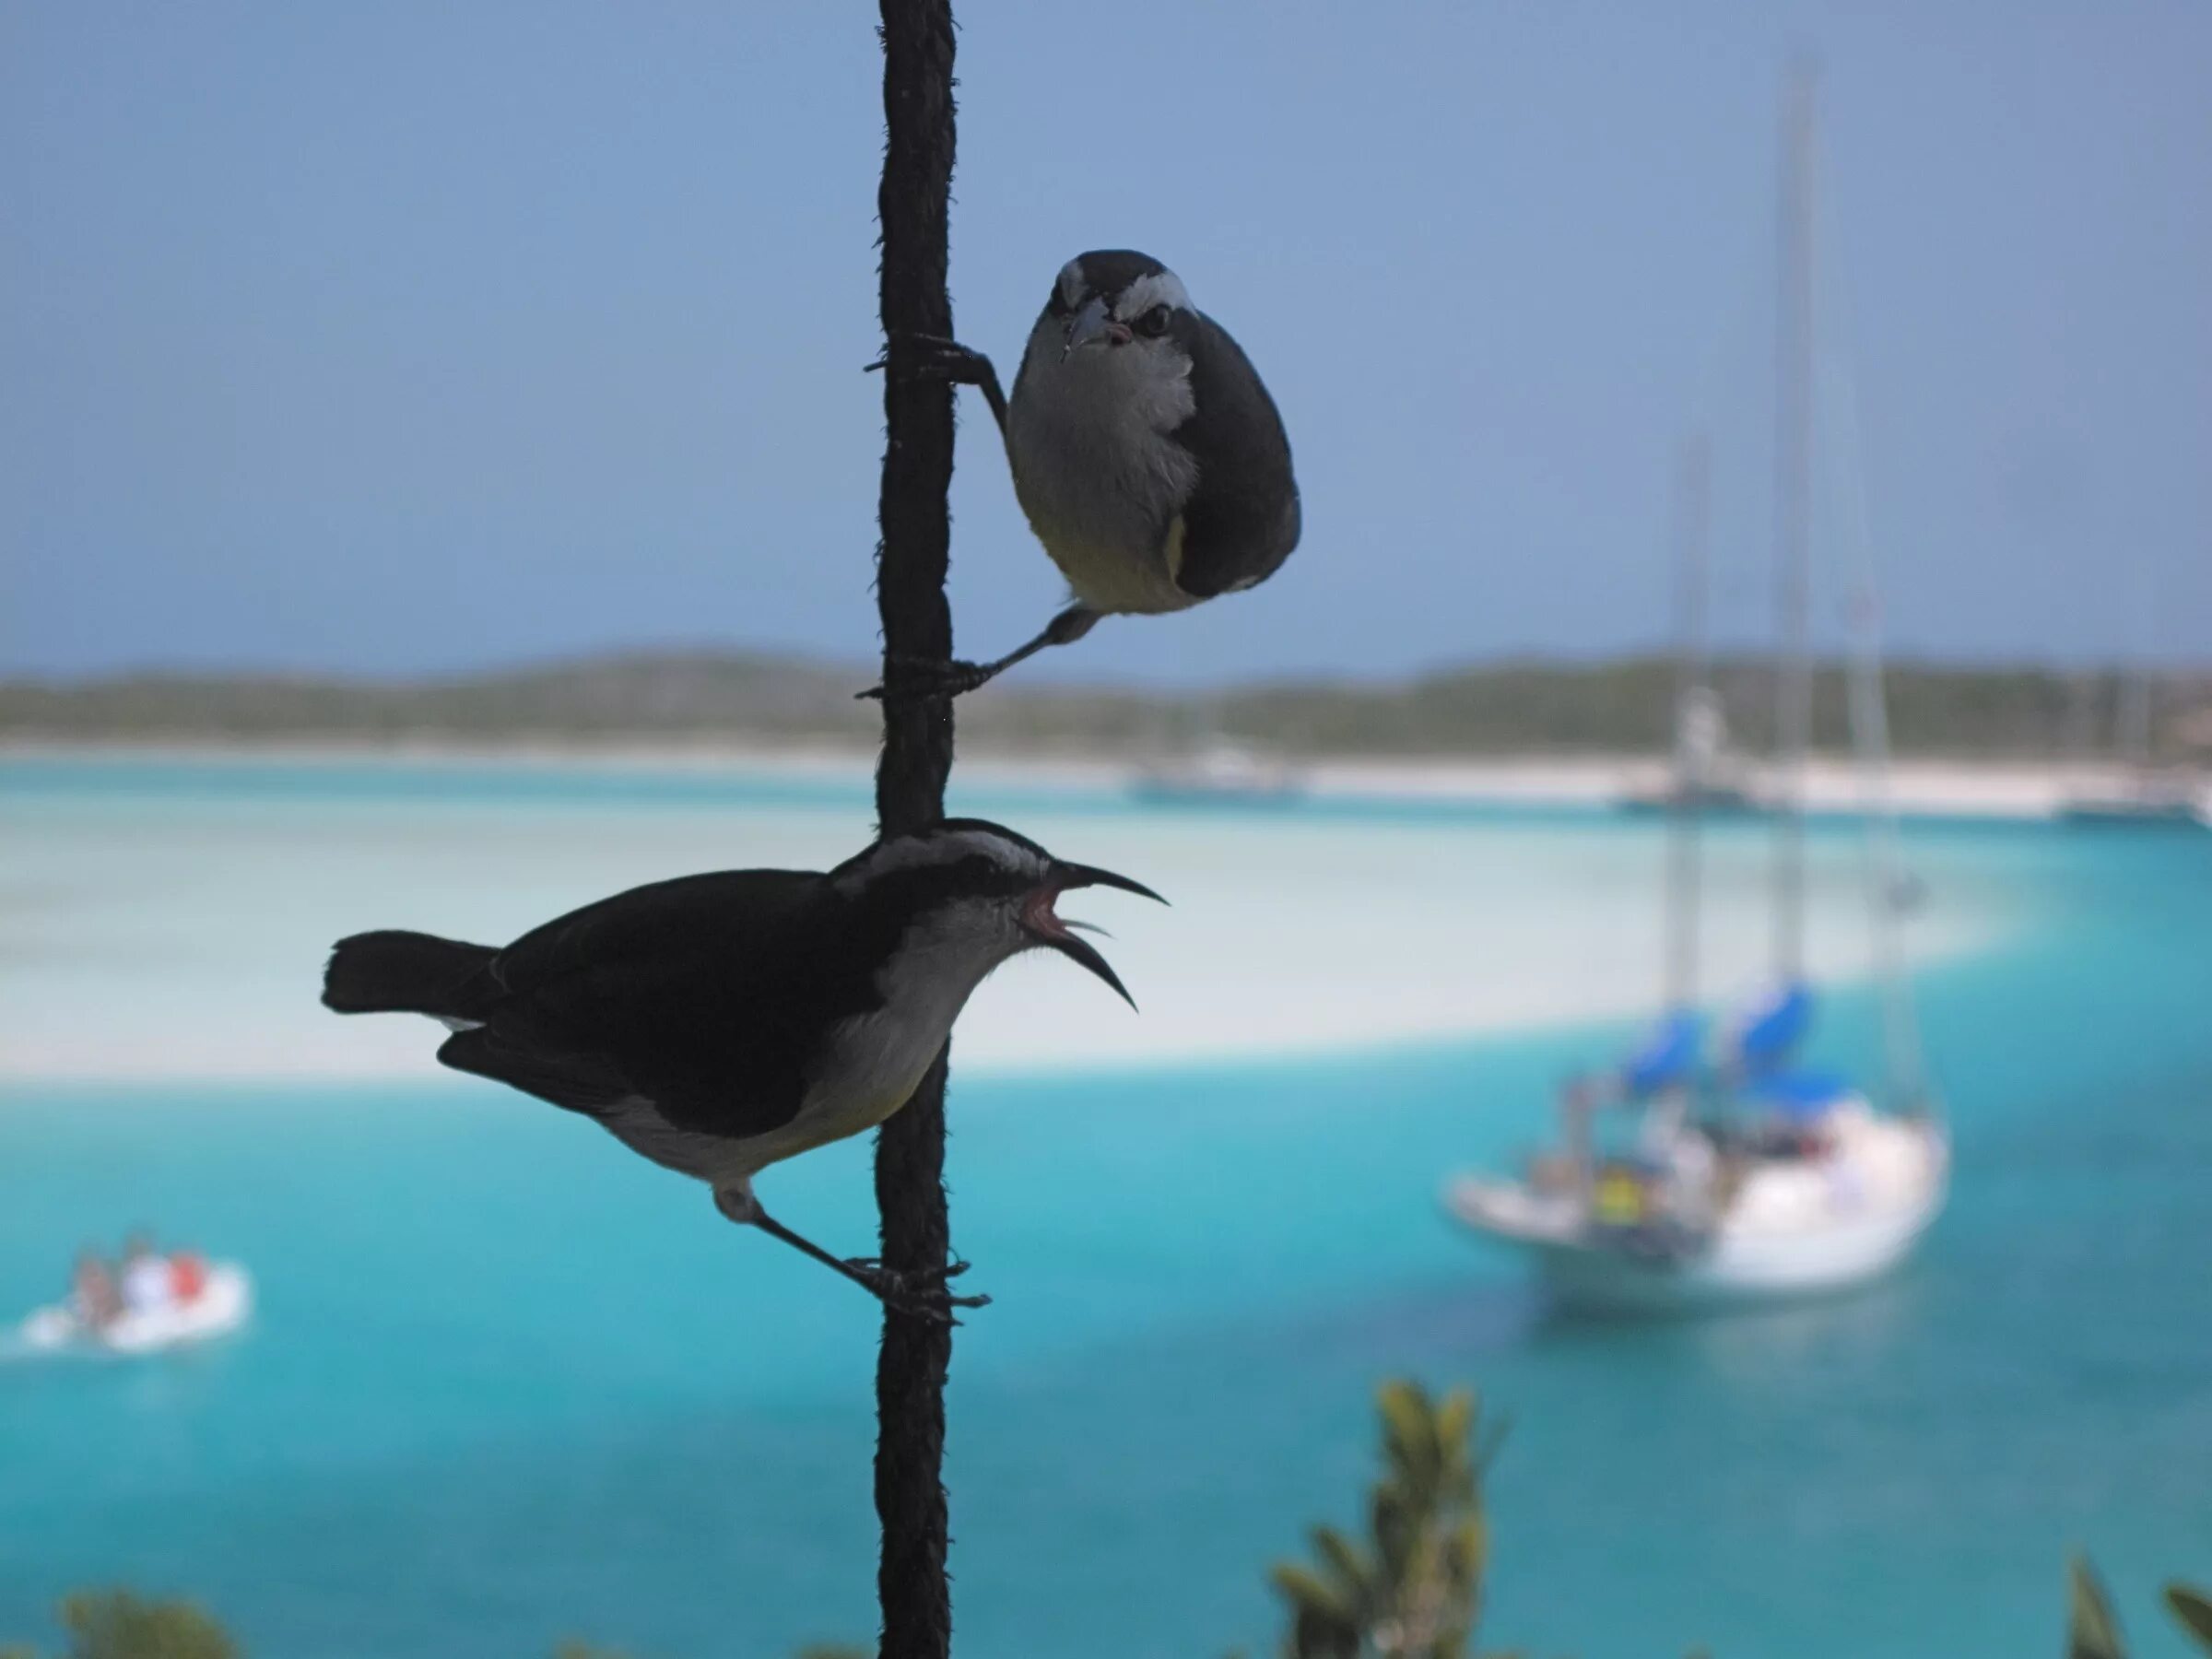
2193, 1608
2091, 1630
1411, 1589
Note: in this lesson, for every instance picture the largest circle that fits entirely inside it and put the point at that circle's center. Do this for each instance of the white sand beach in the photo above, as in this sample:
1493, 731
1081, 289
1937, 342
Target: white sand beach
1951, 787
182, 934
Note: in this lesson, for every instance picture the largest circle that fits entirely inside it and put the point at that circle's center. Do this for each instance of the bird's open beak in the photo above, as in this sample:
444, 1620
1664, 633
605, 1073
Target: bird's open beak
1075, 875
1094, 325
1052, 931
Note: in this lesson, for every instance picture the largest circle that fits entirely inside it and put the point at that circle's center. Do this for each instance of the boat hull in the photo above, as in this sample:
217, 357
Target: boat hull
2125, 815
1726, 803
1168, 792
223, 1306
1733, 1274
1794, 1233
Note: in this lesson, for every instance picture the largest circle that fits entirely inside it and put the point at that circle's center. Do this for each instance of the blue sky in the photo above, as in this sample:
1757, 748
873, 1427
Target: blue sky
409, 337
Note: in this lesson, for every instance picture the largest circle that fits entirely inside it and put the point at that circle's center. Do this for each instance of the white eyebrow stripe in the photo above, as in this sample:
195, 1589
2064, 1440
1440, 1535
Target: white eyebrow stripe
1071, 284
909, 853
1162, 287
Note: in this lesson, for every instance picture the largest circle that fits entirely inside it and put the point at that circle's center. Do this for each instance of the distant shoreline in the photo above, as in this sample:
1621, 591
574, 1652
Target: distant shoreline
710, 701
1919, 787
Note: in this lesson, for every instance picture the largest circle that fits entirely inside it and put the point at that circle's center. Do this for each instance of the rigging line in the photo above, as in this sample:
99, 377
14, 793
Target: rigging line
1886, 879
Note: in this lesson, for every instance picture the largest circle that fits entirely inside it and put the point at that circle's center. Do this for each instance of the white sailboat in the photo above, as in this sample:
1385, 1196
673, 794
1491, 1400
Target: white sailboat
1704, 773
1745, 1176
2139, 792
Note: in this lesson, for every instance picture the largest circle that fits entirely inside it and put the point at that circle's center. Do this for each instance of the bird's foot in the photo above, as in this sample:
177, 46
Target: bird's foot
913, 677
922, 1292
933, 357
873, 1269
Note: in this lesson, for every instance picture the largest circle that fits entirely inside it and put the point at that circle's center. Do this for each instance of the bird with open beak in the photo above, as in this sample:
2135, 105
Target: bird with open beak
719, 1024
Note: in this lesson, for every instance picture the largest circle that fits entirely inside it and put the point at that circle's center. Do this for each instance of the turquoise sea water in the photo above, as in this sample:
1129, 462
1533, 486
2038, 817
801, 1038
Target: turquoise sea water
508, 1383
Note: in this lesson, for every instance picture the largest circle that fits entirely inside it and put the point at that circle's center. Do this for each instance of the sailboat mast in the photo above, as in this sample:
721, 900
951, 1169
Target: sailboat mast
1692, 668
2134, 717
1793, 521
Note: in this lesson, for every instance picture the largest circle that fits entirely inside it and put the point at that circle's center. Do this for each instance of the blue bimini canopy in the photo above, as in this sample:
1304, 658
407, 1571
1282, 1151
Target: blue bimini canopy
1801, 1095
1667, 1056
1773, 1026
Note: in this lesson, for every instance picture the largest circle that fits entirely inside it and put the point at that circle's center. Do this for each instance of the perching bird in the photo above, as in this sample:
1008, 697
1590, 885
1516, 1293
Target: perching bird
1146, 452
718, 1024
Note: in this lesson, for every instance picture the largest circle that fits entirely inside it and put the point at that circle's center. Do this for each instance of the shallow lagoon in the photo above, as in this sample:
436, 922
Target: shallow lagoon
508, 1384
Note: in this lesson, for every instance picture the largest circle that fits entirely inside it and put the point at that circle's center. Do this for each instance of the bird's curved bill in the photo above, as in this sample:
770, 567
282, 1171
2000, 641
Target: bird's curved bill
1075, 876
1082, 951
1057, 934
1094, 325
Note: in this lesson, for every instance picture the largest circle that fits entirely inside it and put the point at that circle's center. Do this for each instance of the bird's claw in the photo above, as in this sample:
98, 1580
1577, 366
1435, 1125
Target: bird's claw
913, 677
873, 1267
933, 357
934, 1307
918, 1292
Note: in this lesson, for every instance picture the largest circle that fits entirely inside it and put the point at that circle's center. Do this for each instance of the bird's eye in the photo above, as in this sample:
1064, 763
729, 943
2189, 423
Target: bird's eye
1154, 323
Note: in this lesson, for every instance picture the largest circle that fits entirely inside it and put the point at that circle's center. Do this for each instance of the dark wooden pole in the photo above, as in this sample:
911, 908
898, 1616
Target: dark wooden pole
910, 791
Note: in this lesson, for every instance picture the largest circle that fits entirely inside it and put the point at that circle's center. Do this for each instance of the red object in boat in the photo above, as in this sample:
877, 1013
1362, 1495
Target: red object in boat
187, 1274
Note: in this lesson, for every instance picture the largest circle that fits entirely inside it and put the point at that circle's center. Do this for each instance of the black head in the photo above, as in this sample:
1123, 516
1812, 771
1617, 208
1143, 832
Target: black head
1114, 297
970, 886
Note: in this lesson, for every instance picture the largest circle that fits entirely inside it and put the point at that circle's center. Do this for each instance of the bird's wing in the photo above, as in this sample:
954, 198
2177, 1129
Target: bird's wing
591, 1083
706, 994
1241, 520
730, 911
727, 1091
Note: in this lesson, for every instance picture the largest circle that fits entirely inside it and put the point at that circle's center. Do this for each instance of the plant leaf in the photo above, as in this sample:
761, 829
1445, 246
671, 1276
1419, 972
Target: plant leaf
1344, 1562
2091, 1632
1311, 1595
2194, 1609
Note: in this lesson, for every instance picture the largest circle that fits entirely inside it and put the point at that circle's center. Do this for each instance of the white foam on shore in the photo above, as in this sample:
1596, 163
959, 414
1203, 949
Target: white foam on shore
183, 939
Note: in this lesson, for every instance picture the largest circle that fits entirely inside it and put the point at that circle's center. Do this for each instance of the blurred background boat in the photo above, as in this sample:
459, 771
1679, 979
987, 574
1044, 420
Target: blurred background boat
2141, 797
221, 1304
1747, 1176
1705, 775
1203, 767
2134, 789
2137, 781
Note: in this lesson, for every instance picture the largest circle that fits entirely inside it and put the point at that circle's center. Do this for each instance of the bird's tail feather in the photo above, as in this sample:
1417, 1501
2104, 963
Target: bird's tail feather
396, 973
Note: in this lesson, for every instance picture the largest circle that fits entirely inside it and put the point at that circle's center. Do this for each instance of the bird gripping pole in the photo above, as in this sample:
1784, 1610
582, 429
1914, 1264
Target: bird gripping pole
911, 559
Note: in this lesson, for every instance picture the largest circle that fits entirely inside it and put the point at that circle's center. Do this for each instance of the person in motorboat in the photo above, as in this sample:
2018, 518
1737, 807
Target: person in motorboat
92, 1293
187, 1274
147, 1279
145, 1303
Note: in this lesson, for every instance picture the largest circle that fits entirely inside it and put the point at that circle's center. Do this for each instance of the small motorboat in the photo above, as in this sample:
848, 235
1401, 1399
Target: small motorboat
223, 1304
